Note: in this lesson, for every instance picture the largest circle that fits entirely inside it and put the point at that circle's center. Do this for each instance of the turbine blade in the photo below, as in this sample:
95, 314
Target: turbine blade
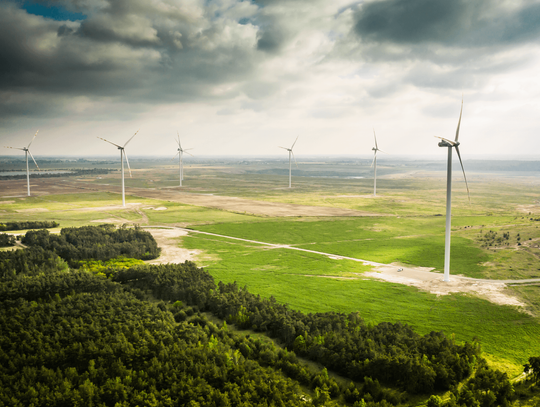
374, 157
175, 155
32, 139
377, 147
459, 121
15, 148
110, 142
131, 138
189, 153
278, 146
127, 161
294, 158
445, 139
34, 160
294, 142
464, 176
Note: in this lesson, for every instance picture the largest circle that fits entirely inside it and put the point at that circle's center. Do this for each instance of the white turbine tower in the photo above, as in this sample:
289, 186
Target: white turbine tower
450, 144
180, 154
26, 152
122, 155
291, 153
374, 164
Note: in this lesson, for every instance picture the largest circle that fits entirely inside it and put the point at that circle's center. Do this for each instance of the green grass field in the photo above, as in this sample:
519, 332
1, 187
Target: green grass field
384, 239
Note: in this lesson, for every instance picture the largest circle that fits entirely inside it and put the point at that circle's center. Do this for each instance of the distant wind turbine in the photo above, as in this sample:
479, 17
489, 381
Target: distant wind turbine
291, 153
26, 152
449, 143
122, 155
180, 153
374, 164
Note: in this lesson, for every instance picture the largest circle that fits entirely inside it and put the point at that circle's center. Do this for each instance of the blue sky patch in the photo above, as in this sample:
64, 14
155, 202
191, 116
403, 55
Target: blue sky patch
53, 12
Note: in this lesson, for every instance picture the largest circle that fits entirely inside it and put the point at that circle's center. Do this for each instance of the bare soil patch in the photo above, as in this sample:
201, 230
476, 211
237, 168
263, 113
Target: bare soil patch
532, 209
167, 239
425, 279
108, 220
32, 210
38, 187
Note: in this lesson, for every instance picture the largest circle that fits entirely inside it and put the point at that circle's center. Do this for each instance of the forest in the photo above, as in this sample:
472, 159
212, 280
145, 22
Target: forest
101, 242
168, 335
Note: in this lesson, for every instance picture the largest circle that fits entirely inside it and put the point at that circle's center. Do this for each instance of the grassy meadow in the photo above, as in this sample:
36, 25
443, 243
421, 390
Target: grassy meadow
409, 231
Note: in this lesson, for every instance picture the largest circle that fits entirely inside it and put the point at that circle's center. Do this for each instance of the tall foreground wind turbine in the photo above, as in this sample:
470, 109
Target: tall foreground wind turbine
450, 144
26, 152
374, 164
122, 155
180, 153
291, 153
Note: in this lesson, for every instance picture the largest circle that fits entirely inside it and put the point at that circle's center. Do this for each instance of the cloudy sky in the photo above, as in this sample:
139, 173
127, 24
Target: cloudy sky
242, 77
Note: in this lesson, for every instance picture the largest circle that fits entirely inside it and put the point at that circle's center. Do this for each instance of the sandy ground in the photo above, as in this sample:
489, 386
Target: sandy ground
422, 278
108, 220
167, 239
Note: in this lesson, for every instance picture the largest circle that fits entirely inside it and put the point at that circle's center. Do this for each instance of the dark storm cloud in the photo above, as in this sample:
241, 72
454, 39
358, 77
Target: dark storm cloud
129, 50
270, 40
442, 44
460, 23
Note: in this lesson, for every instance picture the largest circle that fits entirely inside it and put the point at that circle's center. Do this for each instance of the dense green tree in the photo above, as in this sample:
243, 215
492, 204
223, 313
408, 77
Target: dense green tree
6, 240
533, 368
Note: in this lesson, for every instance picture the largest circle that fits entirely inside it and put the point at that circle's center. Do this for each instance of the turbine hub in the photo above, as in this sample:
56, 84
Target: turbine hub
444, 143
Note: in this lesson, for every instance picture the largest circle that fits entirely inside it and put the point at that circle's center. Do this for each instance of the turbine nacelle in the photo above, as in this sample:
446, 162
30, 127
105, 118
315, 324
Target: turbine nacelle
448, 143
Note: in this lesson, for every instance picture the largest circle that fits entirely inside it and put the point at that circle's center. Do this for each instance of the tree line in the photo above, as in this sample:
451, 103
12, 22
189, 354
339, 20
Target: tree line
44, 224
68, 173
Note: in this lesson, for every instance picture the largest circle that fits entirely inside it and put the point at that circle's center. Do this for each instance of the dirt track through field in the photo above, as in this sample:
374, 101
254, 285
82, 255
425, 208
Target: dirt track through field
420, 277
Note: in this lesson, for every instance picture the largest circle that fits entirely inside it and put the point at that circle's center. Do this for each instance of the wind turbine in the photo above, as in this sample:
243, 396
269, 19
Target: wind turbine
180, 153
450, 144
122, 155
26, 152
291, 153
374, 164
